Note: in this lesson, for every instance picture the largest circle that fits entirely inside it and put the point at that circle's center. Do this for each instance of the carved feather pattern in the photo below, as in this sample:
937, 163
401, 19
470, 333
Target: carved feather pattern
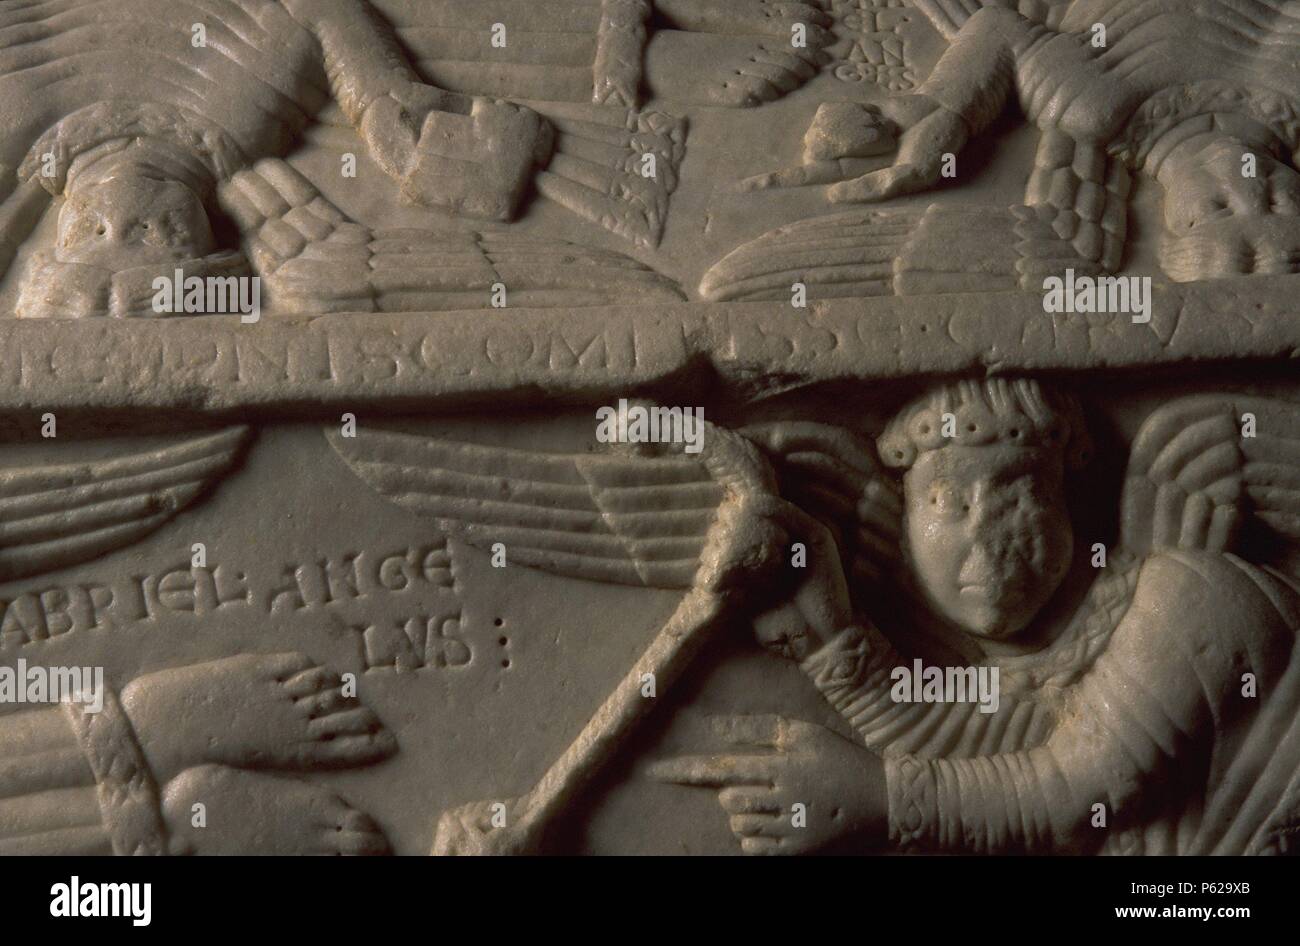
949, 15
55, 516
1194, 481
613, 518
1202, 465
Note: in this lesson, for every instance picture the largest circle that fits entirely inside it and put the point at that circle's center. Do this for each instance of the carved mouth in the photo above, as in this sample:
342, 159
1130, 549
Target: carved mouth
993, 594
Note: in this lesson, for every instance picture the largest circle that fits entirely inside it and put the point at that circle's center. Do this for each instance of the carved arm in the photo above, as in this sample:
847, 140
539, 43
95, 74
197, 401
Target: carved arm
471, 155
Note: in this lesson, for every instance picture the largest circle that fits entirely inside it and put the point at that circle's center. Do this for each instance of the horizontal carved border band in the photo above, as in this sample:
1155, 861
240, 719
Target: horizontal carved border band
444, 361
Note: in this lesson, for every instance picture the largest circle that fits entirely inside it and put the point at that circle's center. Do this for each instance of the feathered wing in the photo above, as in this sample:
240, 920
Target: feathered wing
316, 259
1202, 472
55, 516
948, 16
1206, 473
1075, 216
616, 518
596, 171
846, 255
1203, 467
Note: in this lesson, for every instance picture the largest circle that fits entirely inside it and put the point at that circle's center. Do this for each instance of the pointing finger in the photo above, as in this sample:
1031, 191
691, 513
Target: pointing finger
716, 771
755, 826
818, 172
765, 730
758, 845
748, 800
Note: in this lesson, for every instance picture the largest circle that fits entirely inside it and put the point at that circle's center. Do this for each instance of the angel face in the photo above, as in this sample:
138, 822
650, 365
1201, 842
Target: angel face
133, 220
988, 534
1220, 222
1213, 185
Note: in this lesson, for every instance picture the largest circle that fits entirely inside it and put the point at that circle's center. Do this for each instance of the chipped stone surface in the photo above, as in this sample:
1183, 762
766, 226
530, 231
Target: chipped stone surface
649, 426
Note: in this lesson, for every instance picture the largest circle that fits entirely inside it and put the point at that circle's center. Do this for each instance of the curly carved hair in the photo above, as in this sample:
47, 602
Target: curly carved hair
994, 411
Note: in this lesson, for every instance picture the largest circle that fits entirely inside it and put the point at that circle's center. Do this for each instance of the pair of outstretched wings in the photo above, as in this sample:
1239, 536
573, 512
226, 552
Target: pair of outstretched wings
59, 515
1200, 469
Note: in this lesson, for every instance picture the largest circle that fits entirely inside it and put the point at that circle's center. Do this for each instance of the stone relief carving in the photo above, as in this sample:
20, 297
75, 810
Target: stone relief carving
875, 48
1092, 718
669, 523
124, 778
58, 515
142, 171
988, 544
982, 514
1104, 112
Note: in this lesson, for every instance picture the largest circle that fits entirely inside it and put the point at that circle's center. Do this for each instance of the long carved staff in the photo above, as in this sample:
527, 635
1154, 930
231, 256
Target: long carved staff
703, 524
668, 654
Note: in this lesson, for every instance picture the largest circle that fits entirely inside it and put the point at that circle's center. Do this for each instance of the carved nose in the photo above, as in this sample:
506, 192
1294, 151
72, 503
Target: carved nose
979, 568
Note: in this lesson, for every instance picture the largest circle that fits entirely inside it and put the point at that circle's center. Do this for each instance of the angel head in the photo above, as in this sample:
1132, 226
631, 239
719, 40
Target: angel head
133, 207
986, 528
1230, 209
128, 215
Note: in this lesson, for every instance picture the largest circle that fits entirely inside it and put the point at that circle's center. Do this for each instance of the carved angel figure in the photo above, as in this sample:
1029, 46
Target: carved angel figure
1170, 699
1199, 97
160, 124
1163, 719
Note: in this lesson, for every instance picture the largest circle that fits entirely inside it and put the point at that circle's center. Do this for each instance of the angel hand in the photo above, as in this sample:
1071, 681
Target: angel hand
788, 786
475, 156
495, 827
818, 607
932, 134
